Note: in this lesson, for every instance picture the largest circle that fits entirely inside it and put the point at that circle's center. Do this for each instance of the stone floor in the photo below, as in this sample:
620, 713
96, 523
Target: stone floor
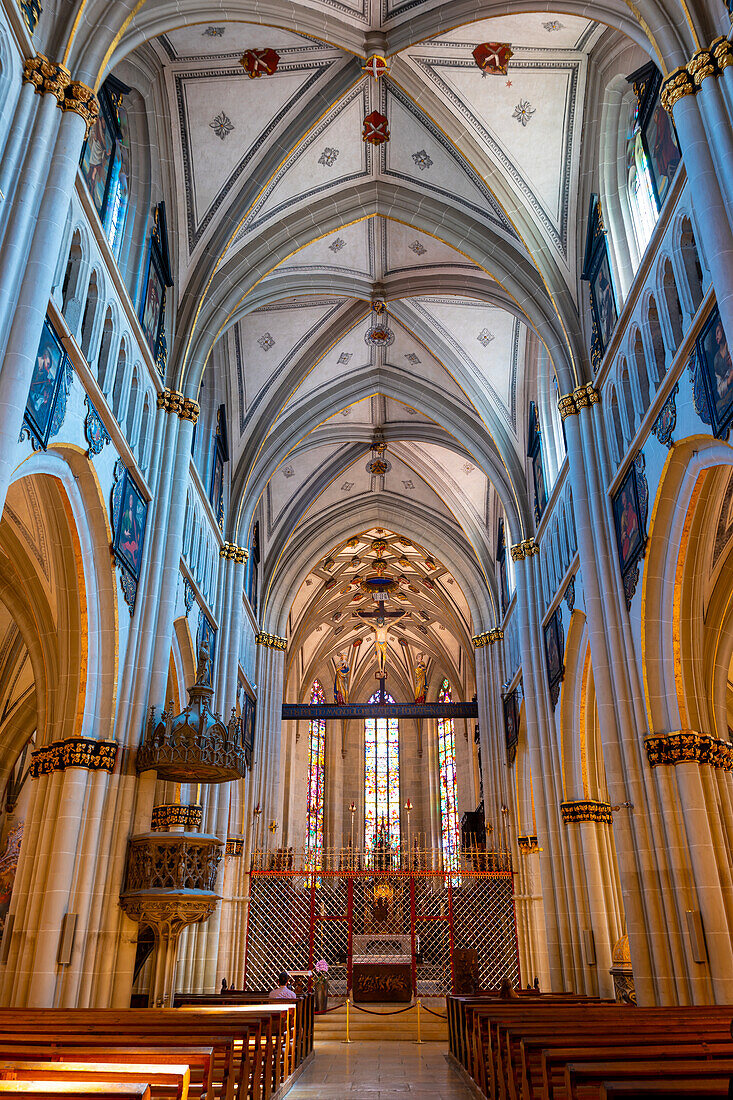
379, 1071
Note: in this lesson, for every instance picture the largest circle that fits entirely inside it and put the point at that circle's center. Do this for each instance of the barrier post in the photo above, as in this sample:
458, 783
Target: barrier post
418, 1021
348, 1040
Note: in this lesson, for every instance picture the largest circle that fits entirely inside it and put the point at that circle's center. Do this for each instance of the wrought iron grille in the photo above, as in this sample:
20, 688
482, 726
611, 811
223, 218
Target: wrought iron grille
436, 920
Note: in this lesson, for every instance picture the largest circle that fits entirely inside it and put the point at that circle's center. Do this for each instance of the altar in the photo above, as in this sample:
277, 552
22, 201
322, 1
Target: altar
382, 969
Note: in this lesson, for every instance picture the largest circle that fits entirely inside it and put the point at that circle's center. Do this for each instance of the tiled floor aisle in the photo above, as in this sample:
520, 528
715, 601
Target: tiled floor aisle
379, 1071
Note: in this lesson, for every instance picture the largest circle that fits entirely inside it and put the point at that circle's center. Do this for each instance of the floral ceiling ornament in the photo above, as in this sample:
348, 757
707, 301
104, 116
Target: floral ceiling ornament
379, 335
376, 129
222, 125
493, 57
257, 63
376, 66
328, 157
422, 160
523, 111
342, 361
553, 25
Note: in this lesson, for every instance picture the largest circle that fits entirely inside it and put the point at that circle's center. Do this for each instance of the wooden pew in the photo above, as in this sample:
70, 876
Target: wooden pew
658, 1090
261, 1035
92, 1090
199, 1060
165, 1080
583, 1080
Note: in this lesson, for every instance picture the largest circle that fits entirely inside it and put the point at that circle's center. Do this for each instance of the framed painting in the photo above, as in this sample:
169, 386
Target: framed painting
715, 367
630, 505
554, 653
602, 298
597, 273
46, 404
157, 279
129, 519
130, 526
658, 136
628, 522
248, 728
511, 725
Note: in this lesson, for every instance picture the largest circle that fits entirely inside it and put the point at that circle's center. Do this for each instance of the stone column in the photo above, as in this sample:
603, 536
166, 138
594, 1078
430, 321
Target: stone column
268, 733
80, 107
707, 158
490, 739
538, 735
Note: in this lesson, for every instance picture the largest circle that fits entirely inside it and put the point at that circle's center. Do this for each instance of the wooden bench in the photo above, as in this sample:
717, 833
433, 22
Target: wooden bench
198, 1060
76, 1089
583, 1080
165, 1080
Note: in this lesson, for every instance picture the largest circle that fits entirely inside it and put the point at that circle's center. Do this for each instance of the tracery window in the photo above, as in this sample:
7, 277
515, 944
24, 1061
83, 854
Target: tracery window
381, 779
639, 182
450, 835
316, 774
105, 161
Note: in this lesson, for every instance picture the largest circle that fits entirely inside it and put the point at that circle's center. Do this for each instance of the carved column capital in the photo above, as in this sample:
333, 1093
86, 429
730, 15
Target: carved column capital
232, 552
481, 640
586, 810
81, 99
170, 401
675, 87
528, 844
189, 410
47, 77
688, 746
722, 52
74, 752
700, 66
525, 549
567, 406
272, 641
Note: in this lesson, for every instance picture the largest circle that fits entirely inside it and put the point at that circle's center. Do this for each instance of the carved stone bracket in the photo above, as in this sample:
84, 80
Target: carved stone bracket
587, 810
272, 641
528, 844
235, 846
74, 752
687, 746
172, 815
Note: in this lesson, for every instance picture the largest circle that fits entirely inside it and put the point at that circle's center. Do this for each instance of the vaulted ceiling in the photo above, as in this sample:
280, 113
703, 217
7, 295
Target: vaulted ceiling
295, 241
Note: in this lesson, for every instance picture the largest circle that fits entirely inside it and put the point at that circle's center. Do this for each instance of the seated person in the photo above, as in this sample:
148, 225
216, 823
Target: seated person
282, 992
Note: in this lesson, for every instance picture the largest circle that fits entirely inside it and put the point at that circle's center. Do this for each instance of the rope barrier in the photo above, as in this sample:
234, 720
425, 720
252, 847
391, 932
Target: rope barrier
333, 1009
438, 1014
371, 1012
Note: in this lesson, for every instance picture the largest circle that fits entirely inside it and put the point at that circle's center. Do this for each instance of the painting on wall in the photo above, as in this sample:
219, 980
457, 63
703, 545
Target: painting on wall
46, 405
715, 367
554, 654
8, 867
630, 503
511, 725
658, 137
157, 279
129, 517
597, 273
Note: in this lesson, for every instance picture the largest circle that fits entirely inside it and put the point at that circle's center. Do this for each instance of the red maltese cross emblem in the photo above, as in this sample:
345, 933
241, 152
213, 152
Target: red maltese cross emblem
257, 63
376, 130
493, 57
376, 66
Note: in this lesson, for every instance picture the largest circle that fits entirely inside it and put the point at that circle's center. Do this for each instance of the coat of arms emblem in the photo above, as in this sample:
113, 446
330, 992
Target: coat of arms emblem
493, 57
262, 62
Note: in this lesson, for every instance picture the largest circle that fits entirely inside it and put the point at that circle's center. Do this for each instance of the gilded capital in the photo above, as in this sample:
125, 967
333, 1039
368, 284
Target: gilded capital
528, 844
232, 552
584, 396
567, 406
495, 635
517, 551
530, 547
480, 640
170, 400
272, 641
47, 77
686, 747
722, 52
81, 99
678, 84
700, 66
189, 409
586, 810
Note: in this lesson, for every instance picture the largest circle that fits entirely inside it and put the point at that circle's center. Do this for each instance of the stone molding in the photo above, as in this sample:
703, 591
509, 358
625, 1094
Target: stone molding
173, 401
525, 549
74, 752
687, 78
232, 552
528, 844
171, 815
173, 912
688, 747
586, 810
272, 641
581, 398
488, 637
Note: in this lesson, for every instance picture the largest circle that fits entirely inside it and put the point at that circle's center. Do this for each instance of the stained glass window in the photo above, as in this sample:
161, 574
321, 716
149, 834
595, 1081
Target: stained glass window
448, 808
381, 779
314, 836
641, 189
